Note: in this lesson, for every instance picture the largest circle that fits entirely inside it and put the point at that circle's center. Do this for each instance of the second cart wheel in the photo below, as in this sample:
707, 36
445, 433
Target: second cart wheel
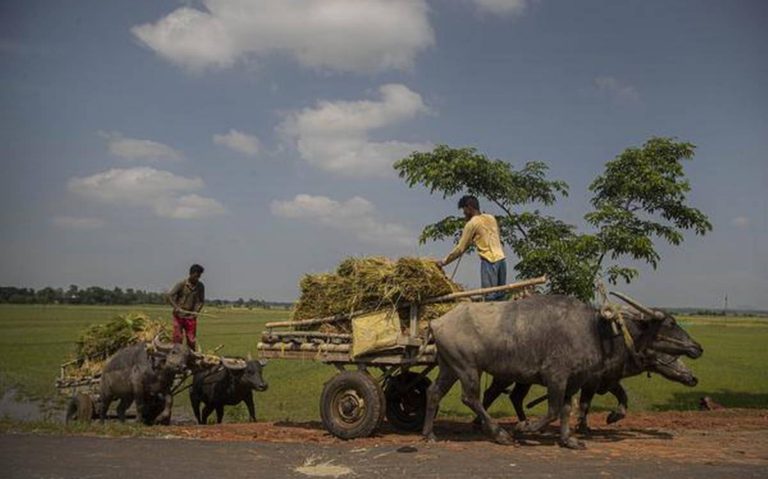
351, 405
80, 409
406, 395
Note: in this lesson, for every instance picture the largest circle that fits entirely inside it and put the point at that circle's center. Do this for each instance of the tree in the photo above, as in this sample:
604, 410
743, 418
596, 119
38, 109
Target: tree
640, 197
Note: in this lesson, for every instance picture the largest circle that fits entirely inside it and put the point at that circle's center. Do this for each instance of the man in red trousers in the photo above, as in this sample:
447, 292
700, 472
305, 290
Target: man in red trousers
187, 298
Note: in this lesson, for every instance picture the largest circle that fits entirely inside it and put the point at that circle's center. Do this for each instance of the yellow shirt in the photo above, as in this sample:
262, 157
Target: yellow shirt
482, 231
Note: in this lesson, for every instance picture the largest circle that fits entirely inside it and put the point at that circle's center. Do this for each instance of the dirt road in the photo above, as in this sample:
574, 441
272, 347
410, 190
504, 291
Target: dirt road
696, 445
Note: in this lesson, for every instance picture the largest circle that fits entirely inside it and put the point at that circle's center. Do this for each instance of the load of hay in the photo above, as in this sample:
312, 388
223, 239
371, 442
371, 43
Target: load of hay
97, 342
371, 284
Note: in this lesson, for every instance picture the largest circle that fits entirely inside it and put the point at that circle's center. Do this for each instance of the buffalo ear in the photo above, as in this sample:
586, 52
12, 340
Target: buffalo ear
249, 357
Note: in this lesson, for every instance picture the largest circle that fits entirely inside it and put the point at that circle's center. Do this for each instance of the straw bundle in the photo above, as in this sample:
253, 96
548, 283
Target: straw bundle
370, 284
96, 343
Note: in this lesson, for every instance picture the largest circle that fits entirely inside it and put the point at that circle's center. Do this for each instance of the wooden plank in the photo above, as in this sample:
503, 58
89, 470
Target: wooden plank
336, 348
310, 322
329, 354
484, 291
309, 334
414, 320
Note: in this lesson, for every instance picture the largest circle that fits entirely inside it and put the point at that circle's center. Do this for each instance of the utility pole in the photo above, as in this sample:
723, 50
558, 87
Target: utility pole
725, 304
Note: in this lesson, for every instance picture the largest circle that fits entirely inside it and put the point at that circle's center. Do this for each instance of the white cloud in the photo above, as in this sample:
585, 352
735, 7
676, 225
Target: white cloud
334, 135
244, 143
501, 7
135, 149
355, 215
617, 91
741, 222
167, 194
78, 223
340, 35
189, 207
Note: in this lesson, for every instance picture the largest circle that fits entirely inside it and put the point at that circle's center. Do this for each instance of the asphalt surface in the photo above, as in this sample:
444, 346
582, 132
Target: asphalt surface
33, 456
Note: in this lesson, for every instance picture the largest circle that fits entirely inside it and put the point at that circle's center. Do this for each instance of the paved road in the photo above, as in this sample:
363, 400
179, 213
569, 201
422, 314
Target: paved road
31, 456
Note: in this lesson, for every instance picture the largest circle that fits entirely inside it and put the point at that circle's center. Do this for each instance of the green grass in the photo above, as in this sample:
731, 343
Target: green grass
34, 340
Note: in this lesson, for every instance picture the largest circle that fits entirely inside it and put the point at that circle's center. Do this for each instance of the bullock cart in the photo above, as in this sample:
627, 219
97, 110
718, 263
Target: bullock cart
391, 382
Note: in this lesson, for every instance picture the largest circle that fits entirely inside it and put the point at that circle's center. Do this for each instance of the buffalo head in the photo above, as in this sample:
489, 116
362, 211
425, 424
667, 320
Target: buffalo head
671, 367
665, 334
177, 356
247, 371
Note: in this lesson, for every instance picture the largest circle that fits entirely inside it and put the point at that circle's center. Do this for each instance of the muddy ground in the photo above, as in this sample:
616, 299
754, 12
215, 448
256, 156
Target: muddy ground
712, 444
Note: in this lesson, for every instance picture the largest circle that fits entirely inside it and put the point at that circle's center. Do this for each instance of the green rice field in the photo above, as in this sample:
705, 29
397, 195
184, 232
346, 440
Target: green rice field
34, 340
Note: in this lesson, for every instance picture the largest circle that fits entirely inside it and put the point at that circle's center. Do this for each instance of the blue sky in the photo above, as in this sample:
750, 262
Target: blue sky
257, 137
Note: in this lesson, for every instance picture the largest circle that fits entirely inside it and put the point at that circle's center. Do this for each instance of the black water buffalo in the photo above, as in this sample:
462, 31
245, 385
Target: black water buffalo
669, 367
227, 384
134, 373
552, 340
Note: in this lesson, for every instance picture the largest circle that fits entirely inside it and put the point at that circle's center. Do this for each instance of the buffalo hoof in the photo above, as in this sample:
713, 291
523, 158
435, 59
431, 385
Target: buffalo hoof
477, 422
502, 437
614, 417
522, 426
430, 438
163, 420
572, 443
582, 428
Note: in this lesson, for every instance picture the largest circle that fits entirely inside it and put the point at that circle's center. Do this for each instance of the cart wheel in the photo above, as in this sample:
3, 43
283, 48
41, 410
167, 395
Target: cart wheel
406, 396
352, 405
80, 409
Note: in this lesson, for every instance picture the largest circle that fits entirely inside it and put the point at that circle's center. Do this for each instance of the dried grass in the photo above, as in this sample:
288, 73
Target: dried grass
370, 284
96, 343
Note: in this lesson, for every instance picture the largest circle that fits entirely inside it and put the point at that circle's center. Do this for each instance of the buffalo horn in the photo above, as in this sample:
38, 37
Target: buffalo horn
160, 345
230, 363
638, 306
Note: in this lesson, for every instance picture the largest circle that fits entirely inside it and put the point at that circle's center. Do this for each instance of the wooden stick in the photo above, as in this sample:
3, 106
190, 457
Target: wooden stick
484, 291
310, 334
197, 313
308, 322
333, 348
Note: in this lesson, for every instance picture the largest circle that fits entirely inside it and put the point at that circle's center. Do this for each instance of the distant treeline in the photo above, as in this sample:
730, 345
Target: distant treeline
117, 296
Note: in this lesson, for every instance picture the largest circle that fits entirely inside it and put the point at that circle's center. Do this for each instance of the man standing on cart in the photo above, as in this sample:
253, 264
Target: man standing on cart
187, 298
482, 231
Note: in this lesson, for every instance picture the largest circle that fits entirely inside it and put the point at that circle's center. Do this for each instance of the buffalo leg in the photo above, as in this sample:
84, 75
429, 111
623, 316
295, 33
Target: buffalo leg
566, 440
219, 413
517, 396
123, 406
446, 378
207, 410
251, 408
621, 396
165, 416
556, 395
105, 402
495, 390
196, 407
470, 396
138, 396
585, 401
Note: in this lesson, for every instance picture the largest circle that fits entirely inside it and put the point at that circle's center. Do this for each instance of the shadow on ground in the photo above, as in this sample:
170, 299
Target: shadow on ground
689, 400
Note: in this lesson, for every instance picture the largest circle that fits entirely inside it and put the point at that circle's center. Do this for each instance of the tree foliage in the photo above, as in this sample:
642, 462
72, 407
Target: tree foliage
641, 196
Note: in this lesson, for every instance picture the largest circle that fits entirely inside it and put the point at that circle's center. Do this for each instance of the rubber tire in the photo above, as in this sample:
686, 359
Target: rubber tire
80, 409
396, 416
365, 388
